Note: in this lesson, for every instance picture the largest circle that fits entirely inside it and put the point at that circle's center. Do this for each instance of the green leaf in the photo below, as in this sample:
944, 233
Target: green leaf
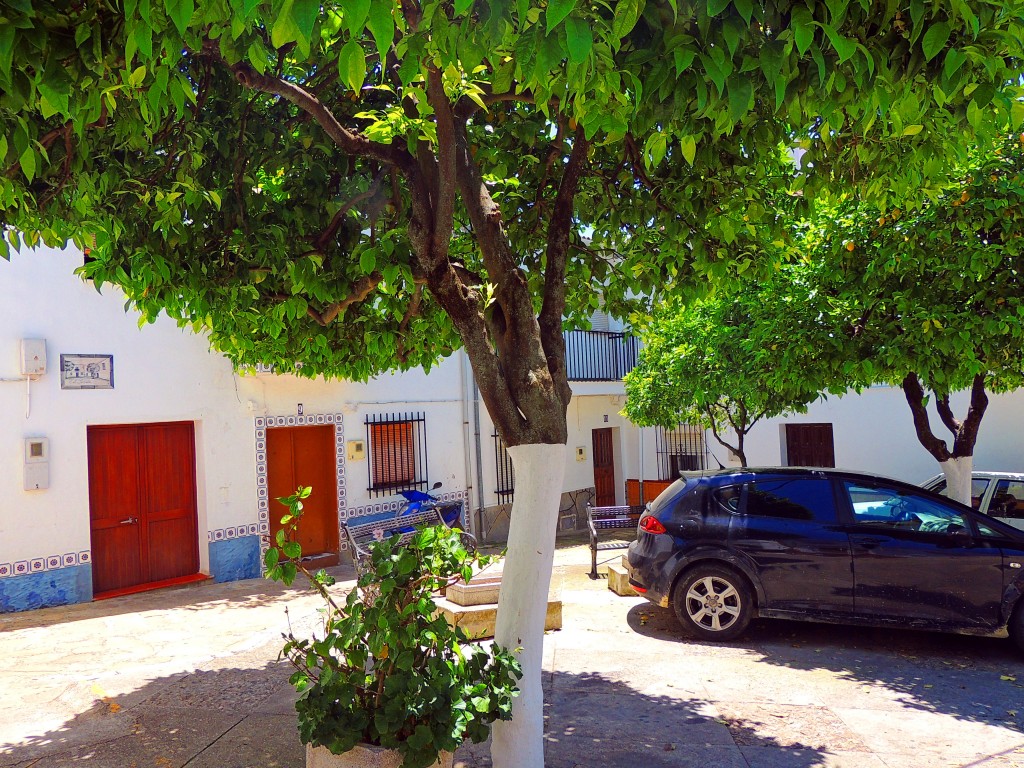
284, 30
740, 92
28, 163
367, 262
913, 130
180, 12
952, 63
462, 6
688, 146
627, 13
356, 12
715, 7
556, 11
382, 25
802, 24
352, 65
304, 15
935, 40
579, 38
844, 47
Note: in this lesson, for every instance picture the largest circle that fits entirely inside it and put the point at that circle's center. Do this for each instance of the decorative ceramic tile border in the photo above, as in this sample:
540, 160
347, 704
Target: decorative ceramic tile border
44, 563
262, 424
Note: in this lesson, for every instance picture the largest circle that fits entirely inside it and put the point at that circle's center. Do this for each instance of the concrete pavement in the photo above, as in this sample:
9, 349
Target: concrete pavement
190, 677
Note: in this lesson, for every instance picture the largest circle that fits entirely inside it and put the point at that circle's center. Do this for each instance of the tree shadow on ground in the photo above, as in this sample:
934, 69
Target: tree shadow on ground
233, 717
973, 679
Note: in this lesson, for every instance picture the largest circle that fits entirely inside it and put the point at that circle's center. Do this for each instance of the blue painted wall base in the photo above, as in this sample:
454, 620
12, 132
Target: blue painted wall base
233, 559
62, 586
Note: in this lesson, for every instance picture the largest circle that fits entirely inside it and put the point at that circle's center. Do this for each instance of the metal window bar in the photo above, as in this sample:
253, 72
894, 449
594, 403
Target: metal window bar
505, 479
679, 449
599, 355
398, 453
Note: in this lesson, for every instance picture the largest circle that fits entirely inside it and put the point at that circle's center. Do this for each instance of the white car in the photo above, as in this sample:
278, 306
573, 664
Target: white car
999, 494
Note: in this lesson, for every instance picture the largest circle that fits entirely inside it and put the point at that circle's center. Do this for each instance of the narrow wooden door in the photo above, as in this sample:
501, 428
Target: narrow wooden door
304, 456
142, 504
810, 445
604, 468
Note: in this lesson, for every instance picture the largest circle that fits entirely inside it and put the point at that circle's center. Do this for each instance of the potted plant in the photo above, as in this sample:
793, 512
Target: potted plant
387, 681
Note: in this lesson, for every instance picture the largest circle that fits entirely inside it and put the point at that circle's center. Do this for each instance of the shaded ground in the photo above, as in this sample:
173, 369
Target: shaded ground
189, 677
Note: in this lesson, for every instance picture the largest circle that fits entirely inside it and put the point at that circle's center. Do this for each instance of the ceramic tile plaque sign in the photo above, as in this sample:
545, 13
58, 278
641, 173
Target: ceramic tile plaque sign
86, 371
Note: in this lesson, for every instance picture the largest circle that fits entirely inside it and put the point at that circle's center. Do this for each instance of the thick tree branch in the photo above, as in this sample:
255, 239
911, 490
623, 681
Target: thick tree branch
324, 238
444, 204
915, 399
350, 142
965, 441
362, 288
411, 311
946, 415
557, 257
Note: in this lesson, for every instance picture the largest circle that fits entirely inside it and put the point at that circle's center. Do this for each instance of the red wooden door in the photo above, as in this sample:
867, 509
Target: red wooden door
305, 456
142, 504
604, 468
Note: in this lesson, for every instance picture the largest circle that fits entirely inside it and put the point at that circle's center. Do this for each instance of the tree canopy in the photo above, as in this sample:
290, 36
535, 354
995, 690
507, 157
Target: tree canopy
930, 300
364, 185
701, 364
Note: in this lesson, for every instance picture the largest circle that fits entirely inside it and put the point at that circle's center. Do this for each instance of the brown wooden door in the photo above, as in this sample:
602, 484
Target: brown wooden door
810, 445
604, 468
142, 504
305, 456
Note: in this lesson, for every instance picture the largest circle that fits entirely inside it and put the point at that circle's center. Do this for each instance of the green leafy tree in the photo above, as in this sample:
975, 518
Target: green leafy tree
701, 364
366, 185
931, 301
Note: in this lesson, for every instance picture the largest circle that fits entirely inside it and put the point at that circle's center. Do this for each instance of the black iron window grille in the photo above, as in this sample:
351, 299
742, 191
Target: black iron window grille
680, 449
599, 355
398, 453
505, 479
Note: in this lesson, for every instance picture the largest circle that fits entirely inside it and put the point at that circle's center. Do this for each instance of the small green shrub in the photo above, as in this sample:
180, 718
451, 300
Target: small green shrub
388, 669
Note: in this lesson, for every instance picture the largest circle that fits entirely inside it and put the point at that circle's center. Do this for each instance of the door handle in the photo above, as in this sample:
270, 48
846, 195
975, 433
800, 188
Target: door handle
869, 542
130, 521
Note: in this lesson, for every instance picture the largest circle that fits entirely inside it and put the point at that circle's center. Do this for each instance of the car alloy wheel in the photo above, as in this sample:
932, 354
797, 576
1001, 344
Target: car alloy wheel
713, 602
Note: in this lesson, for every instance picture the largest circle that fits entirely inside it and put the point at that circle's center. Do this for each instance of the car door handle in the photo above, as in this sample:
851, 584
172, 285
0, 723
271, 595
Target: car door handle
869, 542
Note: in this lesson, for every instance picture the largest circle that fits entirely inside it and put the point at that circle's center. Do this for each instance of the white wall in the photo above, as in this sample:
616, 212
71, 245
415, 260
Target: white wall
163, 373
874, 432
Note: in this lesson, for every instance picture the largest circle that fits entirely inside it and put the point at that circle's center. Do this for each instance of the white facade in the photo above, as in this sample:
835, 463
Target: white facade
165, 374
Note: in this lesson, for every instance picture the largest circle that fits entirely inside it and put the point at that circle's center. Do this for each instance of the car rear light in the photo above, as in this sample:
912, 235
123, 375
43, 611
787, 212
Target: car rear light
651, 524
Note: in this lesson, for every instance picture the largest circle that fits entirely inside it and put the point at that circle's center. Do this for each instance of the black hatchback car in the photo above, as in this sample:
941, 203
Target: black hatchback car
825, 545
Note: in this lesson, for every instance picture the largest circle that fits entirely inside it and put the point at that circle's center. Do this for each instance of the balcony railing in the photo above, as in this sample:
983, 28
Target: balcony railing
599, 355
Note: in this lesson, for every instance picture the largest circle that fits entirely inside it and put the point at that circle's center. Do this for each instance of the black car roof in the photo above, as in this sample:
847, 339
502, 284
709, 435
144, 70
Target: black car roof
717, 477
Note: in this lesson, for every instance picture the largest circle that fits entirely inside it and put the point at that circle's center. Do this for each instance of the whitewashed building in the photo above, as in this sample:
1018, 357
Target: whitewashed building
135, 458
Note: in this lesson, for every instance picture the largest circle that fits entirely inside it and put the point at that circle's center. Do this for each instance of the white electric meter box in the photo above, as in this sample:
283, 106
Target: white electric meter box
37, 463
33, 357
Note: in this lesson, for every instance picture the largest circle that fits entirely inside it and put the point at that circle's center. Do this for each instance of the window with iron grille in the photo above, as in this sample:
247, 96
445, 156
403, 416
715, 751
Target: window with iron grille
505, 479
680, 449
398, 453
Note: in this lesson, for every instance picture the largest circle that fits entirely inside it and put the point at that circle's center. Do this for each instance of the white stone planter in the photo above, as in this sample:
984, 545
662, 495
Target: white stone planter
364, 756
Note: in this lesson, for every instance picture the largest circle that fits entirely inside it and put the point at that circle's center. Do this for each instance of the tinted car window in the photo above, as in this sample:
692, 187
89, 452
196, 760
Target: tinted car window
792, 499
889, 508
978, 486
1008, 502
728, 498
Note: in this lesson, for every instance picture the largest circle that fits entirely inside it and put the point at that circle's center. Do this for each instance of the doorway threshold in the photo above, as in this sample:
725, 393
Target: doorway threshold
151, 585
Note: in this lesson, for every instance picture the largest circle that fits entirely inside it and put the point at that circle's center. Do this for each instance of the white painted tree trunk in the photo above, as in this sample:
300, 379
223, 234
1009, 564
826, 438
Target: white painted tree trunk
522, 603
958, 478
